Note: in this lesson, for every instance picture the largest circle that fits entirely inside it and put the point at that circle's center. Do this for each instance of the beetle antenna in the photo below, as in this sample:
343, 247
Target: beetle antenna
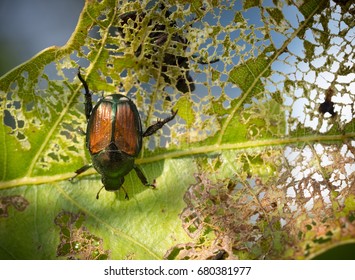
97, 195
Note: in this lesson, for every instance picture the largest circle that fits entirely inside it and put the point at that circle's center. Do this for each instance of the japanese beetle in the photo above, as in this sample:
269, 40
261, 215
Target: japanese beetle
114, 138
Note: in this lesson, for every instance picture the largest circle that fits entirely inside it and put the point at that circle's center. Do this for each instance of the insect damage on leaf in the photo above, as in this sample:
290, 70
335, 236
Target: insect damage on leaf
328, 105
76, 242
224, 216
17, 201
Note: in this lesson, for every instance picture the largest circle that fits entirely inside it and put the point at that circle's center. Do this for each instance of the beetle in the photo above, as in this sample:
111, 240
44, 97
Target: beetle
114, 138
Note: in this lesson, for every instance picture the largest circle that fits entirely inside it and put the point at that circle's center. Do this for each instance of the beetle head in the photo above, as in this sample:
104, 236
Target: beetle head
112, 184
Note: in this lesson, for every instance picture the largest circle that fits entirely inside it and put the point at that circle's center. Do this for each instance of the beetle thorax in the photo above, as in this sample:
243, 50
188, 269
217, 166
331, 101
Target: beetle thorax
111, 162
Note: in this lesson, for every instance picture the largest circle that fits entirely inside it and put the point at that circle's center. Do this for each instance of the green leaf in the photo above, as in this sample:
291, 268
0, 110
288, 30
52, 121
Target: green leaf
250, 168
250, 3
276, 14
186, 112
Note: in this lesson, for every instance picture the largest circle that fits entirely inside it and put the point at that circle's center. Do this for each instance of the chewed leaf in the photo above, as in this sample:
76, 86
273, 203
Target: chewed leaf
258, 163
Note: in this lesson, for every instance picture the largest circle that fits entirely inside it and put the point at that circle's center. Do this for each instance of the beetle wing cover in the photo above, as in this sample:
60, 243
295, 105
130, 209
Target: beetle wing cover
127, 129
115, 120
100, 127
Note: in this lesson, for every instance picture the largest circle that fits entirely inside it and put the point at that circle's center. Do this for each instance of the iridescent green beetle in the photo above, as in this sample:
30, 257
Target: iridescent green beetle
114, 138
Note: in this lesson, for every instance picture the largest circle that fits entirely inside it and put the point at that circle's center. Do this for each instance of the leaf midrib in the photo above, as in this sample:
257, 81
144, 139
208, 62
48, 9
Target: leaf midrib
28, 180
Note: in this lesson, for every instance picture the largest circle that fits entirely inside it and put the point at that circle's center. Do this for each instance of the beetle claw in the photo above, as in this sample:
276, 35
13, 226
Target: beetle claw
126, 194
152, 185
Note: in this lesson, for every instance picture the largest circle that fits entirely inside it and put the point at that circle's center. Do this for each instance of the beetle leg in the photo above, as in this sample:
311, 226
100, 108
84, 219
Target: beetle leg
81, 170
142, 177
88, 99
159, 124
126, 194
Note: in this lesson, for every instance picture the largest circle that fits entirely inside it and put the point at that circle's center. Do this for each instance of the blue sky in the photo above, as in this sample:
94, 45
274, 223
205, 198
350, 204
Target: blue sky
27, 27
